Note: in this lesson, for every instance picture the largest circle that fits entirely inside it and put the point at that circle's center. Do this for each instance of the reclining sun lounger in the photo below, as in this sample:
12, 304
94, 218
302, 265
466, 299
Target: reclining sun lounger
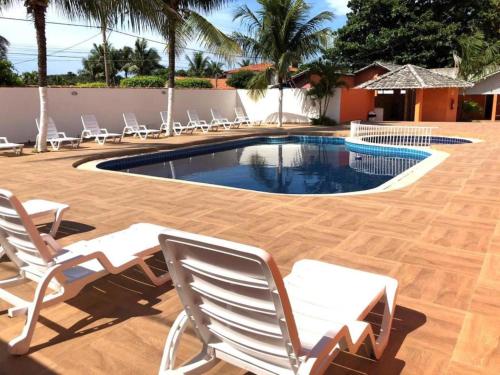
17, 148
218, 119
36, 208
194, 120
177, 126
57, 138
65, 270
91, 129
245, 313
132, 127
241, 117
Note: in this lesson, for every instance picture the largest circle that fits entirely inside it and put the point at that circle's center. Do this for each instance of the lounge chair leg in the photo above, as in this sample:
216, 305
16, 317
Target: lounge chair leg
21, 344
198, 365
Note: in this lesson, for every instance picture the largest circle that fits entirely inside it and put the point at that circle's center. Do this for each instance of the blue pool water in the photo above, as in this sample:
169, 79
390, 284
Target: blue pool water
287, 165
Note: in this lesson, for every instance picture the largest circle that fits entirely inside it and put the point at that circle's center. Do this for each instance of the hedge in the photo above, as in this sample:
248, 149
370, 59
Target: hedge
193, 83
91, 84
143, 81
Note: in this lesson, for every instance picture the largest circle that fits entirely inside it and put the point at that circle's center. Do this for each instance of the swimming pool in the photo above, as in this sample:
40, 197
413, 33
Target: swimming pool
285, 165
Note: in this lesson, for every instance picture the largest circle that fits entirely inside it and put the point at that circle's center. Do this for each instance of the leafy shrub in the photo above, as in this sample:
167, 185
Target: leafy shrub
324, 121
193, 83
91, 84
8, 76
143, 81
240, 80
471, 106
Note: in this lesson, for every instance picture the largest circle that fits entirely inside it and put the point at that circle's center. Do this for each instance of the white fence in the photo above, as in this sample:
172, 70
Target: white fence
412, 136
379, 165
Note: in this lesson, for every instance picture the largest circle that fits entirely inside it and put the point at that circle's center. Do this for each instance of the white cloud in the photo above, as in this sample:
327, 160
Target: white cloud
339, 6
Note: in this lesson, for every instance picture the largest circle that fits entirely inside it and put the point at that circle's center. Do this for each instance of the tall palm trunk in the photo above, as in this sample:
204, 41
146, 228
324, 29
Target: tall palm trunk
280, 105
171, 75
105, 52
39, 16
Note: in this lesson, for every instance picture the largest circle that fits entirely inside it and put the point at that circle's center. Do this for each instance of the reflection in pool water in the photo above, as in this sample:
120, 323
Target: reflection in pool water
289, 168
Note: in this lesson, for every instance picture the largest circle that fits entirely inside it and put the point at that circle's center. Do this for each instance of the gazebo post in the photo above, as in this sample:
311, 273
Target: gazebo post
494, 107
419, 101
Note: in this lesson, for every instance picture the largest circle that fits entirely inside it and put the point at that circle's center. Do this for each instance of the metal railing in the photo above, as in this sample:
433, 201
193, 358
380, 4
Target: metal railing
411, 136
379, 165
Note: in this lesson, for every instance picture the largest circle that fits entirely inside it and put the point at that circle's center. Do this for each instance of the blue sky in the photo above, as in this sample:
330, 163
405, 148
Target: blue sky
23, 43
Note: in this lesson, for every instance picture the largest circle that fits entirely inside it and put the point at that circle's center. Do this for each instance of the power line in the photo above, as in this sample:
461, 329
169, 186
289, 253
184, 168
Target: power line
119, 32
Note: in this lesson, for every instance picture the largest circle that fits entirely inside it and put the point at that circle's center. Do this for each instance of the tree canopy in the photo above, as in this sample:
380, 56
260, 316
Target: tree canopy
421, 32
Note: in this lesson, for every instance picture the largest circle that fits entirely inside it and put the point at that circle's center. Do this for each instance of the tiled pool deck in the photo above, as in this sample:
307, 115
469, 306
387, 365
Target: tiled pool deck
440, 237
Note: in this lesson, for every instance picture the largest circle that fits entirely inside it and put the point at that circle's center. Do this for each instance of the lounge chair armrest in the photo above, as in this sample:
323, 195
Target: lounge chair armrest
104, 131
3, 140
61, 134
321, 355
143, 127
203, 122
51, 242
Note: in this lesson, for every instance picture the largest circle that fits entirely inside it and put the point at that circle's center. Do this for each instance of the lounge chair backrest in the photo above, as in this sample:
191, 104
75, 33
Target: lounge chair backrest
193, 115
130, 120
19, 236
235, 297
164, 115
51, 128
240, 112
216, 114
90, 124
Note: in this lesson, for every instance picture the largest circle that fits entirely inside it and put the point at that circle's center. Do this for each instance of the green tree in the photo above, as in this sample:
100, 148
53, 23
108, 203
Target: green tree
179, 22
197, 64
330, 77
280, 32
476, 57
214, 69
4, 45
144, 60
8, 76
244, 62
421, 32
94, 65
241, 79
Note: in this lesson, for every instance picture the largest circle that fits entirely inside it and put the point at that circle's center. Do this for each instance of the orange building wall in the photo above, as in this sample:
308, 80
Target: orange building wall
437, 104
355, 104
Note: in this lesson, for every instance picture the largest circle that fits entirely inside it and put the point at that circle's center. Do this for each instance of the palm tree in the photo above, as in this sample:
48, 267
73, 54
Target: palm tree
144, 59
322, 90
280, 32
102, 62
126, 64
4, 44
198, 64
214, 69
180, 21
244, 62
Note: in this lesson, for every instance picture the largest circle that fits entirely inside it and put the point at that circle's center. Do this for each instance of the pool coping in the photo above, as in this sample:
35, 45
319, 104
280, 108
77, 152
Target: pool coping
404, 179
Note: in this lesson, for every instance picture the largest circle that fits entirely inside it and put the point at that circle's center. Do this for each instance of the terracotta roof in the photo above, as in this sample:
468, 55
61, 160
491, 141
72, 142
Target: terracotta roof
383, 64
257, 68
412, 77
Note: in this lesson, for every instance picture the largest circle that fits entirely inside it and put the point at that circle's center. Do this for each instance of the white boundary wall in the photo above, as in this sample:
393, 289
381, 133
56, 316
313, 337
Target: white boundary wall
20, 106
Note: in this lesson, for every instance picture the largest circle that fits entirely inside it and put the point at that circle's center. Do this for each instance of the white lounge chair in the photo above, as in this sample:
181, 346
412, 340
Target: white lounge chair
218, 119
245, 313
57, 138
133, 127
241, 117
91, 129
194, 120
36, 208
17, 148
61, 272
177, 126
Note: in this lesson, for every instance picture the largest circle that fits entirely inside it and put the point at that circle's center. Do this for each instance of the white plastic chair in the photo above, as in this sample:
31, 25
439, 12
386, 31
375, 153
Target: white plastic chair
61, 272
57, 138
218, 119
91, 129
194, 120
17, 148
177, 126
36, 208
133, 127
245, 313
241, 117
